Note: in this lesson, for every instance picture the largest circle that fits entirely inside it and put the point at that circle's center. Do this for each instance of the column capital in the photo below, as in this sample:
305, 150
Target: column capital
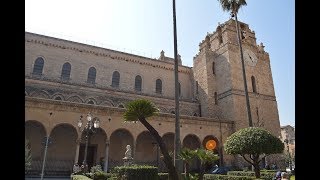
107, 142
78, 141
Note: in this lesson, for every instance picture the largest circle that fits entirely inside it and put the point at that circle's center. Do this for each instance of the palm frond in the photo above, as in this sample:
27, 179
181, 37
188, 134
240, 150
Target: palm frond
140, 108
187, 155
232, 5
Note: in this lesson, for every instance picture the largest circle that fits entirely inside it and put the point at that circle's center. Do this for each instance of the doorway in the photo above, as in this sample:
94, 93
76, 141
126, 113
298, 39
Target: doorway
91, 155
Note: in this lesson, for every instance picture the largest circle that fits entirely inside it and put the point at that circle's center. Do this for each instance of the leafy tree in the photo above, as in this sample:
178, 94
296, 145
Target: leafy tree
253, 144
141, 109
205, 156
187, 155
27, 155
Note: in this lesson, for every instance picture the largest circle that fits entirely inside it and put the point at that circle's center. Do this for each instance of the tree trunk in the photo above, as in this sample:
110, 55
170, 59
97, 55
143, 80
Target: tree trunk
244, 73
187, 170
167, 159
256, 166
201, 172
177, 143
257, 171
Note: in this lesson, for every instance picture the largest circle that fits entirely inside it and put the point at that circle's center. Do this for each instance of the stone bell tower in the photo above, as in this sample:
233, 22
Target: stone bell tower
219, 83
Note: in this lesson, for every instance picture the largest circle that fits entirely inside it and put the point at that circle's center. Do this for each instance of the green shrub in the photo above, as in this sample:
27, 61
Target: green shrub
163, 176
136, 172
226, 177
269, 170
100, 175
79, 177
95, 168
89, 175
263, 174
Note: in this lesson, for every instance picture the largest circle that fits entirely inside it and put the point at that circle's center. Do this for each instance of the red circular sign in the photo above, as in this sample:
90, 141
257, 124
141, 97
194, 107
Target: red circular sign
211, 144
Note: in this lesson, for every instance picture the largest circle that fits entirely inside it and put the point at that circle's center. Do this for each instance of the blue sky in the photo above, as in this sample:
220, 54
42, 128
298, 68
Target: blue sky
144, 27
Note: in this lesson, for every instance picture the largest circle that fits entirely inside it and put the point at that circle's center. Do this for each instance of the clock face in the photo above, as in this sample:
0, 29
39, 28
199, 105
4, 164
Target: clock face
249, 57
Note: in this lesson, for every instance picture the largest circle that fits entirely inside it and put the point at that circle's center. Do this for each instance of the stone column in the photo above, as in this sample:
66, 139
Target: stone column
76, 158
106, 159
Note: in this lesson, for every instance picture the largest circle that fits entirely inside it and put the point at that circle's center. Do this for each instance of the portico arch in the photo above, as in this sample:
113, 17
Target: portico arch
119, 139
96, 147
35, 133
146, 152
61, 149
192, 142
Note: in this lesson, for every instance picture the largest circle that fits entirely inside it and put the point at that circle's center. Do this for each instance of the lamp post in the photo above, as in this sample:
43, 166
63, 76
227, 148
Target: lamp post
47, 142
287, 142
90, 127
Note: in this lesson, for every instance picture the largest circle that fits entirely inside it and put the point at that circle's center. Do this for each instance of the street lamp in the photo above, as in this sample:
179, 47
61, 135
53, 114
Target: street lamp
47, 142
90, 127
287, 142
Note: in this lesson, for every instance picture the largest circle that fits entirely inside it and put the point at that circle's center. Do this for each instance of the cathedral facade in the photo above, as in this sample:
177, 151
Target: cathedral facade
66, 80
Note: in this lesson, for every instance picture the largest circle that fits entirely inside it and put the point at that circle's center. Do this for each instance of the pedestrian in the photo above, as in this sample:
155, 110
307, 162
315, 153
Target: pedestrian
277, 176
284, 176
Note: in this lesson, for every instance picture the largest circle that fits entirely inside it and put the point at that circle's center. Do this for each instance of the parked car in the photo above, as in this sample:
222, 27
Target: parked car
219, 170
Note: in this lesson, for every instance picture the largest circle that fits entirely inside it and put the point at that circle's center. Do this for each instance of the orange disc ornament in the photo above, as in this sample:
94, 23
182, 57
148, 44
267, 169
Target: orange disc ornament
211, 144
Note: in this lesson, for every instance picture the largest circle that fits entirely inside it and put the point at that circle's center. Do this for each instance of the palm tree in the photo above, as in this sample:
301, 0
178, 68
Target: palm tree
187, 155
233, 6
205, 156
176, 92
140, 110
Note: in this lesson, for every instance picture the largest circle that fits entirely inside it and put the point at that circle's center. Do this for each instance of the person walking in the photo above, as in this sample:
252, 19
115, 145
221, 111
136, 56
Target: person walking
284, 176
277, 176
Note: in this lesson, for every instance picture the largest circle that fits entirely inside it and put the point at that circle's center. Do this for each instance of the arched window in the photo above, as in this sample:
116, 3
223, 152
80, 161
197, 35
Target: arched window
243, 31
58, 98
115, 79
38, 66
213, 68
253, 81
90, 102
137, 83
195, 114
121, 106
172, 112
65, 73
92, 75
215, 98
158, 86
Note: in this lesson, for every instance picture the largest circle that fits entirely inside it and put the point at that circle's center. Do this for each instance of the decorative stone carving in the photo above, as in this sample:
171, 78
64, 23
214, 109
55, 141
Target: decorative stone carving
261, 47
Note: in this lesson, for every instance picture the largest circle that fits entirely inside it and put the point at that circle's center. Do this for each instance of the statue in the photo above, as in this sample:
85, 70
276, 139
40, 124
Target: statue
128, 156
